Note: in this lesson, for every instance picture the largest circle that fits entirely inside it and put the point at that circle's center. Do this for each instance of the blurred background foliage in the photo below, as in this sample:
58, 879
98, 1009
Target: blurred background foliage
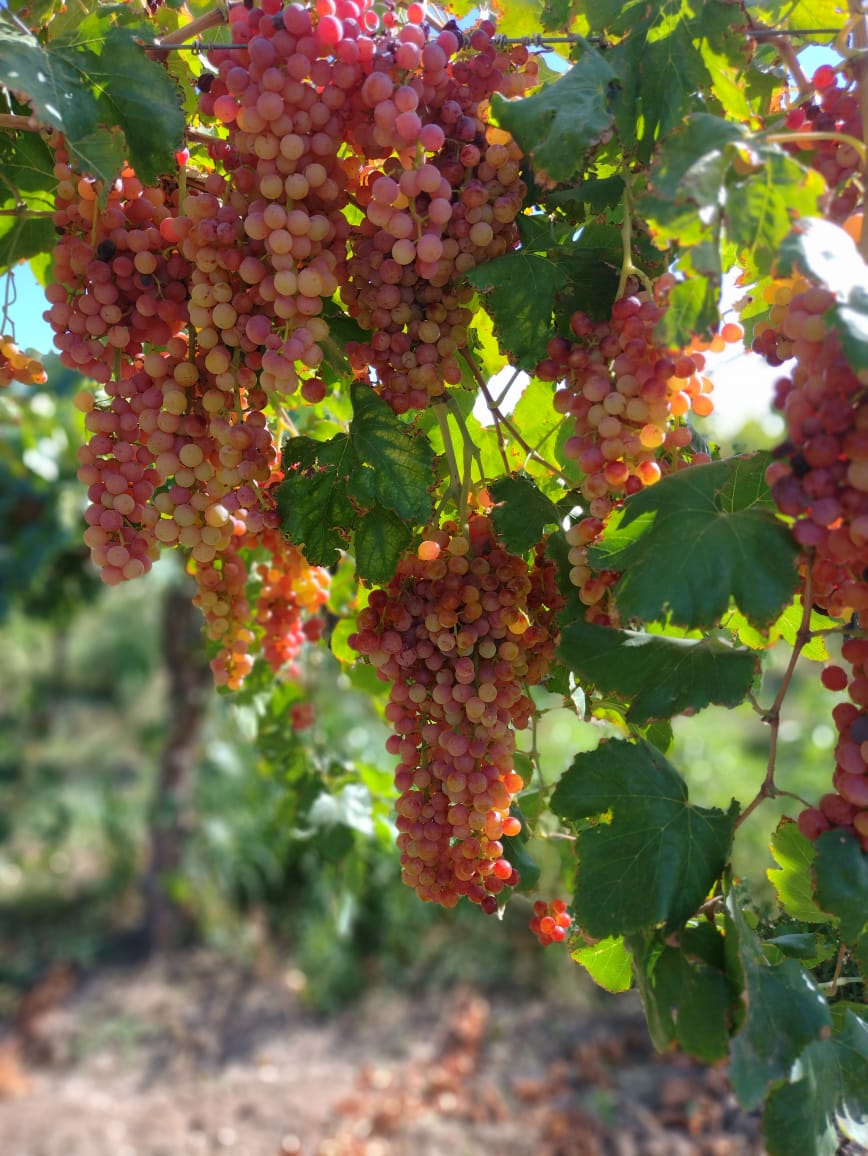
286, 842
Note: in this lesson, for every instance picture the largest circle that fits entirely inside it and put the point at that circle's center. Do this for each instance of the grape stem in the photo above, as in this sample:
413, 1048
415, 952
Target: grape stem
797, 137
772, 716
628, 269
212, 19
22, 212
456, 484
500, 420
471, 452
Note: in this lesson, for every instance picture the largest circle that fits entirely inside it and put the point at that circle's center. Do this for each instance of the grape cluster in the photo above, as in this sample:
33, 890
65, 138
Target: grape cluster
444, 201
820, 480
820, 477
118, 282
461, 632
834, 108
284, 616
550, 922
16, 365
847, 805
628, 397
319, 115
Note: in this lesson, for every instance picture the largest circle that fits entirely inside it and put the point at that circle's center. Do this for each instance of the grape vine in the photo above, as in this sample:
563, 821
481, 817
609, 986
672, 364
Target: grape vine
290, 271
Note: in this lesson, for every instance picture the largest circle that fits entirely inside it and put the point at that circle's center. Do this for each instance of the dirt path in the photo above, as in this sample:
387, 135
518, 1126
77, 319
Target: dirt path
201, 1059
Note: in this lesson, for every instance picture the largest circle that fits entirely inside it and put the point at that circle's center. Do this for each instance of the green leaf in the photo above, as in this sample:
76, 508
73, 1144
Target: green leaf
558, 125
785, 627
27, 166
674, 58
792, 878
692, 310
50, 82
515, 850
738, 548
784, 1012
381, 538
657, 857
608, 962
519, 289
760, 208
522, 512
402, 460
518, 17
764, 189
659, 676
367, 482
312, 499
829, 1080
591, 270
841, 872
686, 1000
56, 83
799, 14
140, 97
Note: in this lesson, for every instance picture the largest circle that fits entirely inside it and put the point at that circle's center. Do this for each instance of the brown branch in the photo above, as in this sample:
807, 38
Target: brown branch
213, 19
506, 423
19, 123
772, 716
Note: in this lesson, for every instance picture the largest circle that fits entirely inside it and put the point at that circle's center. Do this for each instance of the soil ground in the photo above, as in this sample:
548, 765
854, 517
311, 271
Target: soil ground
200, 1057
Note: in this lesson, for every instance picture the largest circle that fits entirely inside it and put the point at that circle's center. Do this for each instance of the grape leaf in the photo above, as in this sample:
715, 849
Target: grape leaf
608, 962
764, 190
786, 627
312, 499
367, 482
761, 205
140, 97
792, 879
56, 84
692, 310
518, 17
738, 548
685, 1000
381, 538
402, 459
660, 67
657, 858
830, 1079
811, 14
784, 1012
660, 676
521, 513
558, 125
27, 166
519, 290
841, 872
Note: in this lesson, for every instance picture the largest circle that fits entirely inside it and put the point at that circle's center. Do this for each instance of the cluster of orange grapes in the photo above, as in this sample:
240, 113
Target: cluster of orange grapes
16, 365
461, 632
